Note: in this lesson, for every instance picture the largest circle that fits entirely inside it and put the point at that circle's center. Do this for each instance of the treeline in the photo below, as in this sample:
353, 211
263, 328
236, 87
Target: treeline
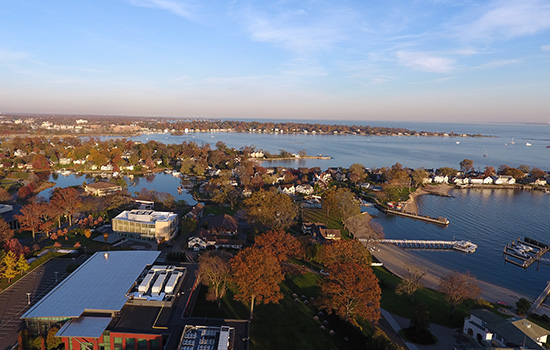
105, 125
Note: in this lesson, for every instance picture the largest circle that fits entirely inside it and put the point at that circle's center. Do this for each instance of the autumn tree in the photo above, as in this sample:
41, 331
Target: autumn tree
489, 171
350, 289
356, 173
447, 171
214, 272
466, 165
538, 173
411, 282
458, 287
6, 233
53, 342
68, 200
271, 209
22, 265
256, 275
340, 203
280, 244
30, 218
4, 196
418, 176
9, 266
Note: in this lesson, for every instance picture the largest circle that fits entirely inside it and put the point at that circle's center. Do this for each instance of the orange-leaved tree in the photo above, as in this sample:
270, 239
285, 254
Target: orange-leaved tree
282, 245
29, 218
350, 289
256, 275
68, 200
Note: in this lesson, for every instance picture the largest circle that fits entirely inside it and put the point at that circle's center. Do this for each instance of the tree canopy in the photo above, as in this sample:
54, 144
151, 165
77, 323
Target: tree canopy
271, 209
256, 275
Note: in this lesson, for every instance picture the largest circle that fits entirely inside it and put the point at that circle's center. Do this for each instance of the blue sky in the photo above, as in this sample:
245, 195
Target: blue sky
440, 60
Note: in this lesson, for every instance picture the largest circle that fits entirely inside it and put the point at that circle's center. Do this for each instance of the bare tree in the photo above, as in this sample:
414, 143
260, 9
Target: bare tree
362, 227
458, 287
411, 282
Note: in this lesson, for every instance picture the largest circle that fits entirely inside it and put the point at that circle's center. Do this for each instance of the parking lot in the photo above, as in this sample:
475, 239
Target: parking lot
18, 297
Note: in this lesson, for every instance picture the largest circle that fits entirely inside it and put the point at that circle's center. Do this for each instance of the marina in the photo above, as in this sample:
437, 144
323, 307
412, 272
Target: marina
462, 246
524, 253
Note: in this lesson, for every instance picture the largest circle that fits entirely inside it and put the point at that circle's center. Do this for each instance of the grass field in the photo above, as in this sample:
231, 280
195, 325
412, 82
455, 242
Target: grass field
318, 215
290, 324
438, 307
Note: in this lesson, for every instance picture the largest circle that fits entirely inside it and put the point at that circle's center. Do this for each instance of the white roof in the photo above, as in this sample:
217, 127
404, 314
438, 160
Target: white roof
100, 284
84, 327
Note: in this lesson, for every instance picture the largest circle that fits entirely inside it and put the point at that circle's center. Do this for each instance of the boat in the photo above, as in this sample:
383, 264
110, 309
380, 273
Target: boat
486, 154
512, 142
528, 144
458, 142
465, 246
524, 248
547, 146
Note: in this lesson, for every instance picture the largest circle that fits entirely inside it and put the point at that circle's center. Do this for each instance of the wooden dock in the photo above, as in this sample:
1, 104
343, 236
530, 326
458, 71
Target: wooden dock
540, 298
463, 246
523, 258
425, 218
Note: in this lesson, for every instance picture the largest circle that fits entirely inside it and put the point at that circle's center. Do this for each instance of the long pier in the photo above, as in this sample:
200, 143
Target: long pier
524, 258
439, 221
540, 298
463, 246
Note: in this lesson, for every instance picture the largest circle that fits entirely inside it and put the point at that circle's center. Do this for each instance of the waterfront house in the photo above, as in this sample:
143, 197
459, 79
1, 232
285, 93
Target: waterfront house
494, 331
481, 180
441, 179
65, 161
102, 188
504, 180
461, 180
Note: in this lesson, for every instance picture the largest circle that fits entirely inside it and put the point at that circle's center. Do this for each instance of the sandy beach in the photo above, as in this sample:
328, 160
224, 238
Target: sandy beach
396, 260
412, 207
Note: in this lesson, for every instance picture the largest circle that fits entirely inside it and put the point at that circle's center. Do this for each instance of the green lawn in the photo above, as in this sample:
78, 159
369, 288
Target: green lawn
435, 301
318, 215
289, 324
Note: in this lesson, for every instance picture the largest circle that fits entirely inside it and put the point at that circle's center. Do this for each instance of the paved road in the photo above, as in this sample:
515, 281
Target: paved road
14, 300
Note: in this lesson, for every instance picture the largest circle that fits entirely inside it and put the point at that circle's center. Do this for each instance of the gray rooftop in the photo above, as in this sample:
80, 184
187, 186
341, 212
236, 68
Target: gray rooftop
98, 285
84, 327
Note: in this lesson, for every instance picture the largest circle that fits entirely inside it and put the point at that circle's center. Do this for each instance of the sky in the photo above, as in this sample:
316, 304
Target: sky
439, 60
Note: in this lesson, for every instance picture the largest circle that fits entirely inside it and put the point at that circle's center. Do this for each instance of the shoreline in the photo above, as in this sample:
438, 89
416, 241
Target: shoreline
411, 205
396, 260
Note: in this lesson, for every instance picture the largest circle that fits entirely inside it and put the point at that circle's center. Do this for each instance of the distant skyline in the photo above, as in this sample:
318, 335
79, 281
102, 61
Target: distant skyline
440, 60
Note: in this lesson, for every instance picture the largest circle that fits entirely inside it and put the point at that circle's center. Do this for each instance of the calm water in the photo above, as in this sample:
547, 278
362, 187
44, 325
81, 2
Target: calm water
489, 218
160, 182
379, 151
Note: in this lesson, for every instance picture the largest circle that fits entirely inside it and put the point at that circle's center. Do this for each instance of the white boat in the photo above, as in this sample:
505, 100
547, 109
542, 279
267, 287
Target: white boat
513, 142
525, 248
528, 144
465, 246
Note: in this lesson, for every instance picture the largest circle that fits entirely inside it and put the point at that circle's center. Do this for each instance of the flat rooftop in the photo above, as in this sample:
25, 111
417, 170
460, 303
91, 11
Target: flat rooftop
142, 215
99, 285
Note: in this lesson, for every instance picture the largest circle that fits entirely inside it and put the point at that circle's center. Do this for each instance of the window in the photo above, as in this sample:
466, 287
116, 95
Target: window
155, 344
142, 344
86, 346
117, 343
130, 343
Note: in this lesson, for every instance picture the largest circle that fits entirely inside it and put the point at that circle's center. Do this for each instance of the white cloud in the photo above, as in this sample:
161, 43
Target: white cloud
179, 8
545, 48
498, 63
425, 62
510, 19
303, 30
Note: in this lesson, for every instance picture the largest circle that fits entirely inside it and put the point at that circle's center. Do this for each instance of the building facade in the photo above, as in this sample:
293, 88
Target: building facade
146, 224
